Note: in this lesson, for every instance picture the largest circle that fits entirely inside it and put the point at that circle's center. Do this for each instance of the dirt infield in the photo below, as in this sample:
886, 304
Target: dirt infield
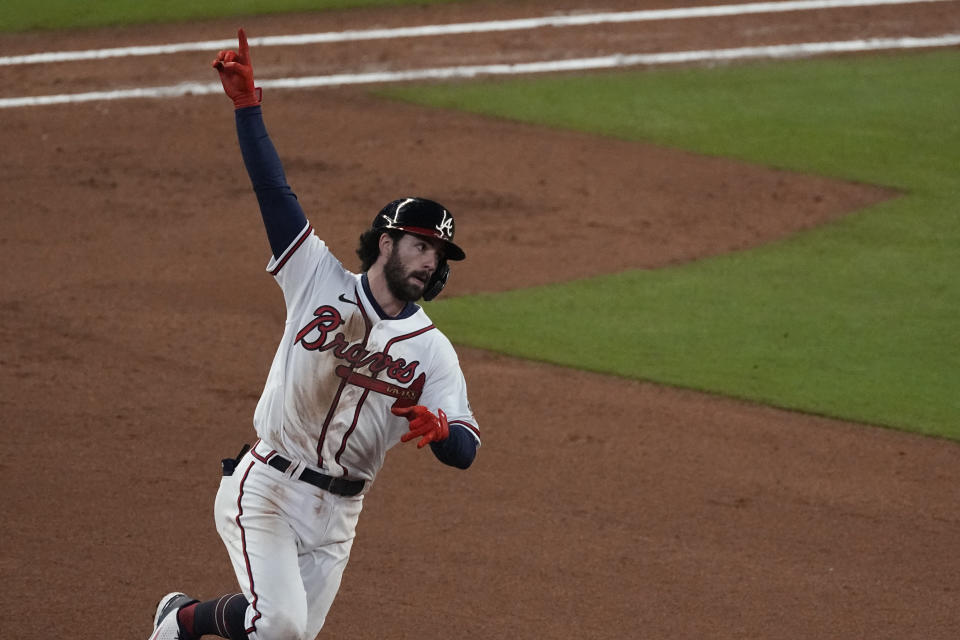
138, 325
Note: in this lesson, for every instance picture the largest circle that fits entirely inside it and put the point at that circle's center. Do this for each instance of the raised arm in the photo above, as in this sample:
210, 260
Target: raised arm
282, 215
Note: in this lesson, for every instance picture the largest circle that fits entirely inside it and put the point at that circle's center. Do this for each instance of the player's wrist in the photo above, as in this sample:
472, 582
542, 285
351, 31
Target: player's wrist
248, 99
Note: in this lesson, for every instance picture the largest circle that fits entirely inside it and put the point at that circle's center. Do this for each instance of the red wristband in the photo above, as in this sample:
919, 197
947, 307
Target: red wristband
248, 99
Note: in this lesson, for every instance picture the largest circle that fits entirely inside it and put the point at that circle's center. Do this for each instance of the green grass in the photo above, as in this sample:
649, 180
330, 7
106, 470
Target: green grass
20, 15
857, 319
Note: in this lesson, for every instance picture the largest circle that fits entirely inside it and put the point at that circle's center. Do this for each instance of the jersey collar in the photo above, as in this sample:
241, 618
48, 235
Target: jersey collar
406, 312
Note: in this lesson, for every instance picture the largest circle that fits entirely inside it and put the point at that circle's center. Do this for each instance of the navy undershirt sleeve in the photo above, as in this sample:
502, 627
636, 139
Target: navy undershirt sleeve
279, 207
458, 450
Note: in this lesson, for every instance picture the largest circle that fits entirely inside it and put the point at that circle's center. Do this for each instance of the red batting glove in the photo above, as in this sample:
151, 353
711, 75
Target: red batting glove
424, 425
236, 74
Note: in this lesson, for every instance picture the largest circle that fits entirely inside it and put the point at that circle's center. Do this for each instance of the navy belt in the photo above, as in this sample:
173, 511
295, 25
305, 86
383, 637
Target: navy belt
338, 486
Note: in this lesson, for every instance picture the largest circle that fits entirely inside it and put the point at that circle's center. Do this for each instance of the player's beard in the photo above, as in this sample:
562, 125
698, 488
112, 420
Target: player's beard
398, 279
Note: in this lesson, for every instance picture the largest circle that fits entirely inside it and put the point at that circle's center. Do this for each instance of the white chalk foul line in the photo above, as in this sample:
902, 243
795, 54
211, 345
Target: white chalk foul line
453, 29
546, 66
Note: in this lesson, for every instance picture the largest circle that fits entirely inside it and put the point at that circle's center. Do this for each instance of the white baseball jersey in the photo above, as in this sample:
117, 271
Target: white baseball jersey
342, 364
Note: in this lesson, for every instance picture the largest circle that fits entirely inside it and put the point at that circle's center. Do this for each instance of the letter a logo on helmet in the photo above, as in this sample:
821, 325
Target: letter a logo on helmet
446, 226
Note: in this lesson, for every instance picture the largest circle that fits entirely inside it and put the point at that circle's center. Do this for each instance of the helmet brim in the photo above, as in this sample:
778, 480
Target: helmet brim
452, 252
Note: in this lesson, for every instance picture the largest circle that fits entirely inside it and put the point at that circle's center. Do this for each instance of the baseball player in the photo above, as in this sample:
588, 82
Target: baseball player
360, 368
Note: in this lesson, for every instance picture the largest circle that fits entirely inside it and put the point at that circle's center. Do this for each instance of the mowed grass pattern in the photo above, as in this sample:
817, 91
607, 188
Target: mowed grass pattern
21, 15
856, 319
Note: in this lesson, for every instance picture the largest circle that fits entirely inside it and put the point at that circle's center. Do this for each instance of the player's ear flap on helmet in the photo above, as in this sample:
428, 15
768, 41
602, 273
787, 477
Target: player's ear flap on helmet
437, 282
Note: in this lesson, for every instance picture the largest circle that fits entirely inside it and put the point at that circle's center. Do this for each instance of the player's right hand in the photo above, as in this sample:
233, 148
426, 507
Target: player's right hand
236, 74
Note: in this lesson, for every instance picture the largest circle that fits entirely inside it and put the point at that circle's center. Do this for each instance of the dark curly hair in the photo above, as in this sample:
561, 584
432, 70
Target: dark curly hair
368, 249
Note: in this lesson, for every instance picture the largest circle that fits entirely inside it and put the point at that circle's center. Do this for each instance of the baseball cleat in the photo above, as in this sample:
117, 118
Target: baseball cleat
165, 626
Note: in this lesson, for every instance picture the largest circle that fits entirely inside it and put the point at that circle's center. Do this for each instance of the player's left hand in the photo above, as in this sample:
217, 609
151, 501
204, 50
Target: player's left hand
423, 424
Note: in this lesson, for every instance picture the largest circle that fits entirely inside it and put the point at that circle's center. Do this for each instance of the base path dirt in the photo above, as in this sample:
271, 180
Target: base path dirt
137, 325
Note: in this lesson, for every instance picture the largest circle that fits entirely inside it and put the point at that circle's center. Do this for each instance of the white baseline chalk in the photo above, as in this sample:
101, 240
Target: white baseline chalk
545, 66
452, 29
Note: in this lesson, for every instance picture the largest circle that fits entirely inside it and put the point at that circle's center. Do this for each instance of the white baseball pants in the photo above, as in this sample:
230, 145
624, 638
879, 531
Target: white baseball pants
289, 543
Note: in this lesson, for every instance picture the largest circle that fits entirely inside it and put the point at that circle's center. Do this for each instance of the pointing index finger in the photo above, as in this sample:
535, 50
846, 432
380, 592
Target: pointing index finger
244, 47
